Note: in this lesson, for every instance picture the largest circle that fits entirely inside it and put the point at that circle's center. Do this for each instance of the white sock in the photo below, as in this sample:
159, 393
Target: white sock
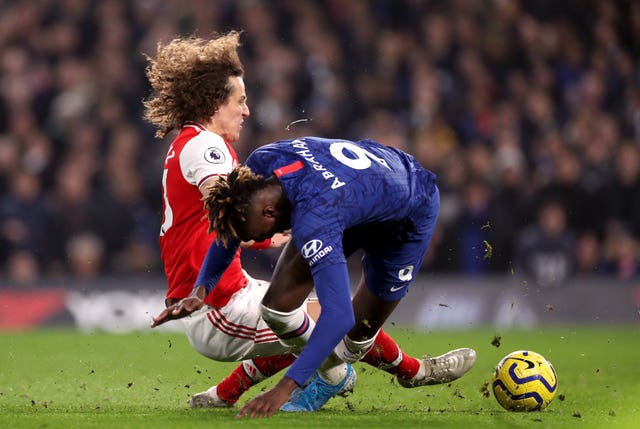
349, 350
293, 328
332, 370
422, 371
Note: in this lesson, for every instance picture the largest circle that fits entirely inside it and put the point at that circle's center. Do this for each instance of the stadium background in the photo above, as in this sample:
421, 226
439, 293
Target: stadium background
529, 112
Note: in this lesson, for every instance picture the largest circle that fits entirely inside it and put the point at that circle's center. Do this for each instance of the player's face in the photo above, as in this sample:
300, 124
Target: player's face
258, 229
265, 218
227, 121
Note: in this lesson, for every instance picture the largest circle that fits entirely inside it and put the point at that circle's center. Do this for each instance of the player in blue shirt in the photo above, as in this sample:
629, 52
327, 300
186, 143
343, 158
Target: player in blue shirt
336, 196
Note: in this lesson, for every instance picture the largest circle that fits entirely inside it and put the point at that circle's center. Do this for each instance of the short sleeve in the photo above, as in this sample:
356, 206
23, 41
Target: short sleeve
204, 156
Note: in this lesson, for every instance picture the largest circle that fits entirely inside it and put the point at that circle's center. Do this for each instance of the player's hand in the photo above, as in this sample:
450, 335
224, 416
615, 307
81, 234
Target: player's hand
247, 244
267, 403
182, 308
277, 240
280, 239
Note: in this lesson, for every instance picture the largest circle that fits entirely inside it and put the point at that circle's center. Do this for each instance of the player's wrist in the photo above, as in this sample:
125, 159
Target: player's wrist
287, 384
200, 292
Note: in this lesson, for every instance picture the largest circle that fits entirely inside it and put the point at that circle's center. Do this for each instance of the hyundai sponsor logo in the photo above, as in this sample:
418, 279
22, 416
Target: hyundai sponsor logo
310, 248
313, 251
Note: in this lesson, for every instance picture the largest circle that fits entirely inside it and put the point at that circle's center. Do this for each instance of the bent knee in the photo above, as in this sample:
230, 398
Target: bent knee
282, 322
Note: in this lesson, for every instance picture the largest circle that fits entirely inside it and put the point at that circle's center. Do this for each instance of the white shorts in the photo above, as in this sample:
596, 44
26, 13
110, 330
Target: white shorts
236, 331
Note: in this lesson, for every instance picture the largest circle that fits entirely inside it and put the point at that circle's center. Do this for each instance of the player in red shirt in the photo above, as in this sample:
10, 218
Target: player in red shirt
199, 90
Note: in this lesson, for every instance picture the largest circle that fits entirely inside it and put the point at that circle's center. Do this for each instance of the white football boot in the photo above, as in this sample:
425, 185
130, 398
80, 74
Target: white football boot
442, 369
208, 399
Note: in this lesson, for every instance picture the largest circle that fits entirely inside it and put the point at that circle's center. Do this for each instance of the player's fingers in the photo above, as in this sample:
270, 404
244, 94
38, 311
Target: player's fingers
188, 306
247, 410
265, 410
159, 319
191, 306
242, 412
250, 410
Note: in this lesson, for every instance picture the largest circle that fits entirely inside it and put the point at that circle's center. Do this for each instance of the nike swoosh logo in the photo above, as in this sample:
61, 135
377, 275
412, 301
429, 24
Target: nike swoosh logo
396, 288
528, 362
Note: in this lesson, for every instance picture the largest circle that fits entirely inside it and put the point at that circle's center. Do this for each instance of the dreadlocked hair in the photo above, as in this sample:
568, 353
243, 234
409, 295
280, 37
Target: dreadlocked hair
228, 200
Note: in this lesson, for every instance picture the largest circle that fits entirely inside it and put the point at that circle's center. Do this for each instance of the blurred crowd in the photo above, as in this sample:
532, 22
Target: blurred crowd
529, 112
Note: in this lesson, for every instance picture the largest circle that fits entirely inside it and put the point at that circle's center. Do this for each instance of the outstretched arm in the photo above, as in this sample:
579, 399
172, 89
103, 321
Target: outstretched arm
215, 263
182, 308
336, 318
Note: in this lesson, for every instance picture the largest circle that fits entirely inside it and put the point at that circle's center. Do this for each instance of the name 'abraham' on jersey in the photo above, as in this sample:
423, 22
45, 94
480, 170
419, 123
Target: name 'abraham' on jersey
324, 180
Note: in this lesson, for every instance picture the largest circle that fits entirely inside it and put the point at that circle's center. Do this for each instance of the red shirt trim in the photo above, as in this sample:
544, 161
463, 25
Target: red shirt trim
260, 245
287, 169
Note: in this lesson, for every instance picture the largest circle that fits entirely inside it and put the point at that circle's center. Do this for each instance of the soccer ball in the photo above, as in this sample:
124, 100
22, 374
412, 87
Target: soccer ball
524, 381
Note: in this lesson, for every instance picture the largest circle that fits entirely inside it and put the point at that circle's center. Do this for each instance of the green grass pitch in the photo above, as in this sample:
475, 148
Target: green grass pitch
66, 379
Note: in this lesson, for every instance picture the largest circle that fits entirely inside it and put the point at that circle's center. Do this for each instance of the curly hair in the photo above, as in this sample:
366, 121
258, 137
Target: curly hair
190, 80
228, 200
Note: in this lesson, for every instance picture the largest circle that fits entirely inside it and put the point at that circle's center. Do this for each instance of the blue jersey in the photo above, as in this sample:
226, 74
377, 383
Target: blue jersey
334, 185
345, 196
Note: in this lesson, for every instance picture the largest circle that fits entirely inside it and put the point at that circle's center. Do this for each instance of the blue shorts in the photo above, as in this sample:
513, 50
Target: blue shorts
393, 253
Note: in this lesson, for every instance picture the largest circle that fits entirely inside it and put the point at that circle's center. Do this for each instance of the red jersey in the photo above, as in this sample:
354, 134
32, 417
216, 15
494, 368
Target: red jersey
194, 156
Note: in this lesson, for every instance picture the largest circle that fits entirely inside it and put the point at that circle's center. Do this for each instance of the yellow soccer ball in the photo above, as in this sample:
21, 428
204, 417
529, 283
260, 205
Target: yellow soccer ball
524, 381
